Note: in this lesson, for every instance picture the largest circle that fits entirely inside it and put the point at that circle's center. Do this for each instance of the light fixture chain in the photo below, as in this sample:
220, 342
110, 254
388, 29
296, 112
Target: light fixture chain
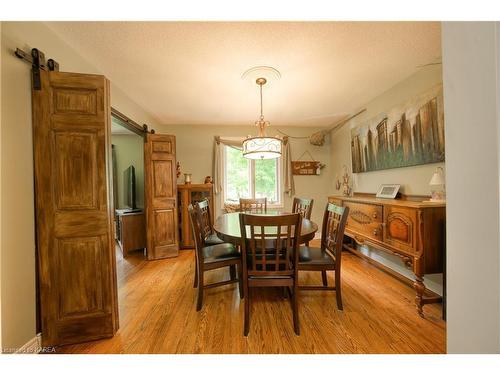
261, 105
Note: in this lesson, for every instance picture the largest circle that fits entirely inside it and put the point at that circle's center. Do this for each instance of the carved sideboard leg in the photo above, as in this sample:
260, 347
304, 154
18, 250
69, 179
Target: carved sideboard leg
419, 285
419, 289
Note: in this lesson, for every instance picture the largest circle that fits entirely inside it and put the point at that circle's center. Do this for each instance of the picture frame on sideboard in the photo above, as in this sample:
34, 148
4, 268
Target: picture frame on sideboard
388, 191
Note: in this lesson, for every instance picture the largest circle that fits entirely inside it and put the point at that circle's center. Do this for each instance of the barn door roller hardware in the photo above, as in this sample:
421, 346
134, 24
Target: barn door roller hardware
37, 60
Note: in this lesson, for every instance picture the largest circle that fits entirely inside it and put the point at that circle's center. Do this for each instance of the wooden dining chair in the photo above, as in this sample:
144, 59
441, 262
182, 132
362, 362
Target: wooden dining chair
329, 256
212, 257
257, 205
207, 229
270, 254
303, 206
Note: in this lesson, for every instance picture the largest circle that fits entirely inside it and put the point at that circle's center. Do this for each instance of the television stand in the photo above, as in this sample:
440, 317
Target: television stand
132, 210
130, 230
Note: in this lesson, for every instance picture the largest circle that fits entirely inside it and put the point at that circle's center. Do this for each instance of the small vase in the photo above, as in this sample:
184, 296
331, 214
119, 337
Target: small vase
187, 178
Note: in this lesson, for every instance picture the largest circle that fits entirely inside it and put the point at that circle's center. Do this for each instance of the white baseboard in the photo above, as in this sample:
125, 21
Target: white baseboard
33, 346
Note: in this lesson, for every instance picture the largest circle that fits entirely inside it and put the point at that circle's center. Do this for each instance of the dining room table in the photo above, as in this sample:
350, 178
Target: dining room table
227, 227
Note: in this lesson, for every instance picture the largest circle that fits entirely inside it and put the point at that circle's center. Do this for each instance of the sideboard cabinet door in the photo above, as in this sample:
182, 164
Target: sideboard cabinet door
401, 228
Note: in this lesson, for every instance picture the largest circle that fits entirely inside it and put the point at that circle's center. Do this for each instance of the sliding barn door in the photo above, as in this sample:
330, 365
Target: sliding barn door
161, 196
77, 269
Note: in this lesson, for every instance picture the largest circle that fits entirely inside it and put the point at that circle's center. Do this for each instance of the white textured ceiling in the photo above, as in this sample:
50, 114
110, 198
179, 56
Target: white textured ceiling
190, 72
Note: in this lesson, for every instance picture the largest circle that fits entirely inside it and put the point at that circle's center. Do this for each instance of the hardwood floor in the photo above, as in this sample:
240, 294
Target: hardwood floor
157, 314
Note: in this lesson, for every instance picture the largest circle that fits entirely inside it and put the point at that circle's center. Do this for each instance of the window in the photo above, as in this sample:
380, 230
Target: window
244, 178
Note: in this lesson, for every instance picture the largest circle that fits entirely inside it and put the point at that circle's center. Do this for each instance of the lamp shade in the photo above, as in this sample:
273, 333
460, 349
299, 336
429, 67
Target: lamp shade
262, 148
437, 177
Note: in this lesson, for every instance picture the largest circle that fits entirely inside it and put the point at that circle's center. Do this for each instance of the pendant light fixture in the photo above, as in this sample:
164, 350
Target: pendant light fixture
262, 147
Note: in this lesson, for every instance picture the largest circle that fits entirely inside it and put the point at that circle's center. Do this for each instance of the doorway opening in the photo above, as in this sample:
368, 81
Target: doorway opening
128, 187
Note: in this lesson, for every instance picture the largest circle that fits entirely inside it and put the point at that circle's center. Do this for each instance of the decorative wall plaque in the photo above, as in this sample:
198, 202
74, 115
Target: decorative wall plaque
306, 168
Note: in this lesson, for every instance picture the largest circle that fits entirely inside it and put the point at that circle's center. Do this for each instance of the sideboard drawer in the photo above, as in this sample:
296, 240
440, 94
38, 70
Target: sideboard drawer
365, 219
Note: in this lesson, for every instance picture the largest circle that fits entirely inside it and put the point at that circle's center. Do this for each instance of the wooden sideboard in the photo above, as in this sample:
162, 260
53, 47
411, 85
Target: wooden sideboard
412, 229
191, 193
130, 230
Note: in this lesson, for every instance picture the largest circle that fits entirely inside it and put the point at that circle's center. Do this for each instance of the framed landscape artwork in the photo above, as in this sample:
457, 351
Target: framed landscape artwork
409, 134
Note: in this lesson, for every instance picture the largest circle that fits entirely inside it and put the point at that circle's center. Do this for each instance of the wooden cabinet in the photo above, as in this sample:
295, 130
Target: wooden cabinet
191, 193
130, 231
412, 229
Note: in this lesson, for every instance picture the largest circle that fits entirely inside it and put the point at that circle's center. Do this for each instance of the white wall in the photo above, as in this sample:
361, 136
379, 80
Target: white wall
470, 75
195, 147
497, 26
17, 216
1, 346
414, 180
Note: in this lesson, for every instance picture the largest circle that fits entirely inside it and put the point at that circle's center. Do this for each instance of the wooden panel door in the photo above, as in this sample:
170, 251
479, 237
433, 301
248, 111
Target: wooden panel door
160, 180
76, 254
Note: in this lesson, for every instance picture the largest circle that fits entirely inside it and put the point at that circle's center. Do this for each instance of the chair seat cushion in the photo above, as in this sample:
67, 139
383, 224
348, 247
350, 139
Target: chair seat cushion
212, 239
220, 252
314, 256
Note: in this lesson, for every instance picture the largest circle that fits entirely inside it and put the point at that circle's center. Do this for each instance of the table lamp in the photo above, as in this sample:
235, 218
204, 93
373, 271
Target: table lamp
437, 186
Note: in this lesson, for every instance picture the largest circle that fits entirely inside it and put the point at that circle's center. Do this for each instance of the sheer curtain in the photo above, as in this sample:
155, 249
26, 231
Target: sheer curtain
288, 183
237, 143
219, 144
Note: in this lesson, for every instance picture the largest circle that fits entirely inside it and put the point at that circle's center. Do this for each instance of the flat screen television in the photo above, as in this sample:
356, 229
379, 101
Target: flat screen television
130, 190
